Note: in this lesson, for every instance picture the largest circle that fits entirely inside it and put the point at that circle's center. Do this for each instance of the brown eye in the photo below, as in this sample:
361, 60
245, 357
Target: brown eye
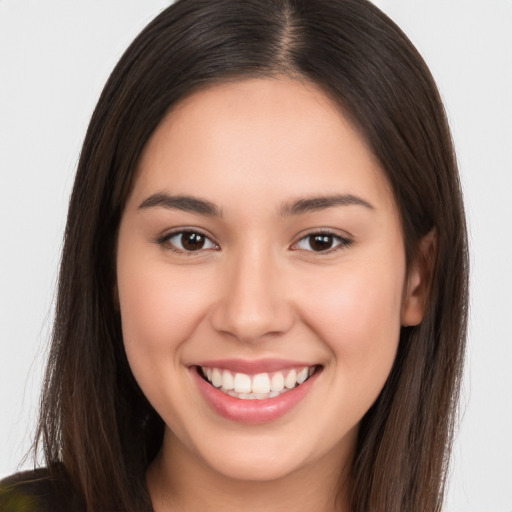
192, 241
322, 242
189, 241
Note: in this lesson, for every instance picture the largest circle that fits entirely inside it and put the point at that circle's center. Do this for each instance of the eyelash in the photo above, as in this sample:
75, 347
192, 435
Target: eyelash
339, 241
165, 241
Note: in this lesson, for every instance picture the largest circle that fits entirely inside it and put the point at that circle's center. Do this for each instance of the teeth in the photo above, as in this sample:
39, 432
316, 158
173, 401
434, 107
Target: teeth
291, 379
302, 375
216, 378
257, 387
227, 380
277, 382
242, 383
261, 383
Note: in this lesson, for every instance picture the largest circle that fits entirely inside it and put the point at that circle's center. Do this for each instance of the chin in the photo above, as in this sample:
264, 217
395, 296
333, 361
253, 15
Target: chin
267, 457
253, 467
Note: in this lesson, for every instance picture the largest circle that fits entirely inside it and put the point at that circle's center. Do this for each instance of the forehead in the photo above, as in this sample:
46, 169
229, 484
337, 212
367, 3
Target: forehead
263, 138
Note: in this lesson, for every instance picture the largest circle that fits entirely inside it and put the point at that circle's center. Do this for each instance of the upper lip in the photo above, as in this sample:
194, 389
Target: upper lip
254, 366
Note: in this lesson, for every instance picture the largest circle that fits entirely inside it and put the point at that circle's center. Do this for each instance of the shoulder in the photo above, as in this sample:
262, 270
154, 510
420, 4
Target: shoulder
37, 491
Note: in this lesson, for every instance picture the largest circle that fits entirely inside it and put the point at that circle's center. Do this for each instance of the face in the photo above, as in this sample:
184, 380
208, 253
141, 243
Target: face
261, 279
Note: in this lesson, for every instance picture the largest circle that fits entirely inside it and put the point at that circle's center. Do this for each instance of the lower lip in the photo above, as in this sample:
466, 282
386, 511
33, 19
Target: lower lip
252, 411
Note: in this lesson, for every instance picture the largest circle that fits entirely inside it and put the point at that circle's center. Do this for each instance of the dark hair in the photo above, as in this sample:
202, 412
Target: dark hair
94, 419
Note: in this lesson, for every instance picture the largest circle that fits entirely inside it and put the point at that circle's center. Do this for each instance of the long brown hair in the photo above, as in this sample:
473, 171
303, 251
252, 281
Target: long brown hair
94, 420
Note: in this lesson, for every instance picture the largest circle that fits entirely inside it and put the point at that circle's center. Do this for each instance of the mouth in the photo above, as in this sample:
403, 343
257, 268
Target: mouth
255, 392
260, 386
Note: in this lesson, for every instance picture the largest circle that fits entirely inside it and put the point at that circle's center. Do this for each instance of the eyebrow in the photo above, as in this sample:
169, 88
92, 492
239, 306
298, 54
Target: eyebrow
313, 204
298, 207
185, 203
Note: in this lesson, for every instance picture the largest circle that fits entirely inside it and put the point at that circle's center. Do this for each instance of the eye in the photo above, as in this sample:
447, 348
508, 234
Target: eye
322, 242
188, 241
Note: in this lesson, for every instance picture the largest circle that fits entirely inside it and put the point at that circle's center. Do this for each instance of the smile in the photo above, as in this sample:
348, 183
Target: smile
256, 387
254, 392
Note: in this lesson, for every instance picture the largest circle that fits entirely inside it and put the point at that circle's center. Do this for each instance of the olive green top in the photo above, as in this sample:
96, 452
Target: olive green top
35, 491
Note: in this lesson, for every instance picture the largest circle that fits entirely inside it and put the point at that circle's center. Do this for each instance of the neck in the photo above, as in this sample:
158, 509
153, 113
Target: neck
179, 481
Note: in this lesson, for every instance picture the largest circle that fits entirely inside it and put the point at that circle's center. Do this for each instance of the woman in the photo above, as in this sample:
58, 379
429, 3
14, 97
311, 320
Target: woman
263, 289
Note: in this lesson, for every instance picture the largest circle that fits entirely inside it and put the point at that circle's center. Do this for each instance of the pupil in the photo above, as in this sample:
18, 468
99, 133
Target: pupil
321, 242
192, 241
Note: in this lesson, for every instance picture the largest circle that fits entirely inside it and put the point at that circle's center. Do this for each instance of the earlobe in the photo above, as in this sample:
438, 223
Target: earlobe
418, 282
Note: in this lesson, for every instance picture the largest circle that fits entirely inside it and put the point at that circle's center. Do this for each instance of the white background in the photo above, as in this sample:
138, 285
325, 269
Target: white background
54, 59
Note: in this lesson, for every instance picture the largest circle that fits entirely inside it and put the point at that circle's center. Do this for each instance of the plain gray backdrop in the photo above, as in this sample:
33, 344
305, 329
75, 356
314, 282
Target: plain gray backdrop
55, 56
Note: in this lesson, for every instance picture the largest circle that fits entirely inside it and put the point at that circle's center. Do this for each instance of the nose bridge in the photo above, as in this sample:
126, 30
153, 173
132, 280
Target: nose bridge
253, 299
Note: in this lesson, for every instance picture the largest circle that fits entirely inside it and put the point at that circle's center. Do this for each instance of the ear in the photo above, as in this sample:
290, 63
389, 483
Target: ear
417, 286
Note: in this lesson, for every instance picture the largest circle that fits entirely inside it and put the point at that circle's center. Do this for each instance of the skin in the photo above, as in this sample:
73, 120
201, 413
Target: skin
258, 290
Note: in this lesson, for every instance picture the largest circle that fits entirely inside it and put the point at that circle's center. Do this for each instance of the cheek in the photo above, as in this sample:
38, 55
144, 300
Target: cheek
159, 308
357, 315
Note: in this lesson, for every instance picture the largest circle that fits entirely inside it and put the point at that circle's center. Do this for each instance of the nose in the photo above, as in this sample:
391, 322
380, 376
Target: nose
253, 302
